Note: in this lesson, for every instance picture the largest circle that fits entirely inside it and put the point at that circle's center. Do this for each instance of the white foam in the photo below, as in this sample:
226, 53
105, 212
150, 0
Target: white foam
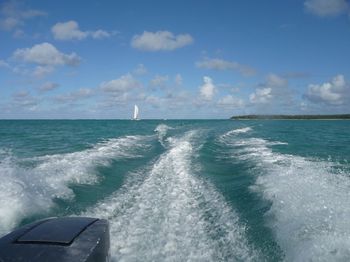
28, 190
15, 198
173, 215
310, 202
237, 131
259, 142
162, 131
79, 167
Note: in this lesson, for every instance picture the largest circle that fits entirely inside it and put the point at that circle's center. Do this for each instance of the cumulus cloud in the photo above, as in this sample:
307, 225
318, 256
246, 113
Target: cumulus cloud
99, 34
230, 87
273, 91
230, 101
159, 81
74, 96
122, 84
160, 41
48, 86
220, 64
173, 100
70, 31
24, 99
326, 7
154, 101
261, 96
208, 89
42, 71
276, 81
14, 15
140, 70
334, 92
46, 54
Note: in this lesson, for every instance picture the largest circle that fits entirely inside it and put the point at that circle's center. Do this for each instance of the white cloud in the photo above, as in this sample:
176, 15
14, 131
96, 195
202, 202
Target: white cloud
178, 80
276, 81
46, 54
335, 92
99, 34
122, 84
160, 41
154, 101
230, 87
220, 64
25, 100
159, 81
81, 93
230, 101
4, 64
273, 91
20, 69
42, 71
9, 23
18, 33
140, 70
13, 15
20, 94
48, 86
176, 100
327, 7
208, 89
113, 100
261, 96
70, 31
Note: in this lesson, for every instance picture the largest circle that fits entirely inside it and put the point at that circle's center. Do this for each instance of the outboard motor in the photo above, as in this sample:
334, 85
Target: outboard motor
78, 239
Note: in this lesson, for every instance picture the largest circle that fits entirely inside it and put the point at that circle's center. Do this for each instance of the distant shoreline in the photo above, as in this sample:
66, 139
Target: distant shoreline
292, 117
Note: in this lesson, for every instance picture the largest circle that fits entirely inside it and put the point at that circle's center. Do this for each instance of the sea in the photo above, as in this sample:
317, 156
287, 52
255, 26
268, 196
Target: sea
186, 190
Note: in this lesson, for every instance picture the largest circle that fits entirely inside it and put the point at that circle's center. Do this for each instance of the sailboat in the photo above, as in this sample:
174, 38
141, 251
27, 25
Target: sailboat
136, 113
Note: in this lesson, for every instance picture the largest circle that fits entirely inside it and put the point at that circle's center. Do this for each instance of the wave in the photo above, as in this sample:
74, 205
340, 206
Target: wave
162, 131
170, 214
15, 198
238, 131
310, 201
25, 191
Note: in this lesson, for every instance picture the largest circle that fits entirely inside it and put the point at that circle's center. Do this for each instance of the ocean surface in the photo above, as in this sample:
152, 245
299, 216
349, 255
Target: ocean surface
186, 190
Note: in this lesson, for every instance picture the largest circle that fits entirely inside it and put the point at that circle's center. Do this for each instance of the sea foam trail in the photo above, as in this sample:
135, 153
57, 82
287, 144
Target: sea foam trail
172, 215
310, 201
25, 191
237, 131
162, 131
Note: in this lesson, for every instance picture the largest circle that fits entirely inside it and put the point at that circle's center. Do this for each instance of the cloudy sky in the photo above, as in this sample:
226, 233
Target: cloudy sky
175, 59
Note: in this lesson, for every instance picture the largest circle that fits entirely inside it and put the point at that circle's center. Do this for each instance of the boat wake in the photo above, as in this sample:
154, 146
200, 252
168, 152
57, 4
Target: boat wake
310, 200
29, 186
237, 131
162, 131
171, 214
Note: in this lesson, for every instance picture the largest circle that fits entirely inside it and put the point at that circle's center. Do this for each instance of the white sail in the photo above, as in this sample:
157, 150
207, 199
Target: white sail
136, 112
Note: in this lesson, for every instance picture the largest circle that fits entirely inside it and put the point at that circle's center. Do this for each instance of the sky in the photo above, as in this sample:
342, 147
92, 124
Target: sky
174, 59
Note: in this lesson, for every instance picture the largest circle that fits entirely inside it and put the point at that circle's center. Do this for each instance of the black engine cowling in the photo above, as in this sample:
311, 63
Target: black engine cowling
58, 239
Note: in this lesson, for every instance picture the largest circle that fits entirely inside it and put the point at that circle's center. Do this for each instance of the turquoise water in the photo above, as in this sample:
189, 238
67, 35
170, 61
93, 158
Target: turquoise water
186, 190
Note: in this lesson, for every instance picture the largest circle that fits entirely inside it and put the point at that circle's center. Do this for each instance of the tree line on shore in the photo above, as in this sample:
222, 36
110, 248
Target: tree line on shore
268, 117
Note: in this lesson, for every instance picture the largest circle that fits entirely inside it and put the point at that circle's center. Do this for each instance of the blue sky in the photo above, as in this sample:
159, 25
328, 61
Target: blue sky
175, 59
